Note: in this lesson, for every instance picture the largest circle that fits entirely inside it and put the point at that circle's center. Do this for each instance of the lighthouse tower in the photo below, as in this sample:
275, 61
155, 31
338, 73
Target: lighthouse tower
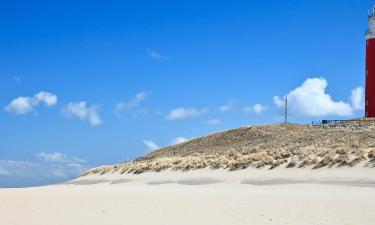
370, 65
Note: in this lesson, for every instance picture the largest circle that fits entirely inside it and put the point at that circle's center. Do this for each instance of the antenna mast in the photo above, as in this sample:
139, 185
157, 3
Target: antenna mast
286, 110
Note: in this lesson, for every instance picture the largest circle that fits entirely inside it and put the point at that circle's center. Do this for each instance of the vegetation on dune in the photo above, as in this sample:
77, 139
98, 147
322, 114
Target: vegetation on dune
270, 146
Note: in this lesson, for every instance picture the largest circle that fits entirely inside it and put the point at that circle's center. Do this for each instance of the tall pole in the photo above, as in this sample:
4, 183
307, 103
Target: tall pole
286, 110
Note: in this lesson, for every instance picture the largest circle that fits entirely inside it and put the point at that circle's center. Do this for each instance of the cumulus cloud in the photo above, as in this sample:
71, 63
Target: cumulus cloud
178, 140
184, 113
47, 98
20, 106
228, 106
84, 112
357, 98
151, 145
311, 99
24, 105
155, 55
256, 109
213, 122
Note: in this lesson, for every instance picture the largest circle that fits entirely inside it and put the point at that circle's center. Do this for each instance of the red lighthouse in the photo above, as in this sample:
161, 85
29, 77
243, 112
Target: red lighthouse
370, 65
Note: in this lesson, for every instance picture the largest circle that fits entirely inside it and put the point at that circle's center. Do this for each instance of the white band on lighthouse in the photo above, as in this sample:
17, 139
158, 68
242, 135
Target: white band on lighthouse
370, 32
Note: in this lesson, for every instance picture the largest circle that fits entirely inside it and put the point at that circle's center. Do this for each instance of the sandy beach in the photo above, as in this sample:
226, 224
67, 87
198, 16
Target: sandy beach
203, 197
187, 113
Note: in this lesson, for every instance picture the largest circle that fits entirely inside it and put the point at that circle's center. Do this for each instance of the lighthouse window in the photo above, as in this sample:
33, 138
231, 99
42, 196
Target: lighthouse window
367, 102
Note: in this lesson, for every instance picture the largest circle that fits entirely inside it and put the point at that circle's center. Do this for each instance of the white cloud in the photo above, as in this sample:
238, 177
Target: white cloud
59, 158
47, 98
63, 171
259, 109
228, 106
137, 99
60, 165
50, 167
357, 99
256, 109
132, 103
24, 105
20, 106
155, 55
83, 112
18, 168
278, 101
53, 157
311, 99
213, 122
178, 140
151, 145
183, 113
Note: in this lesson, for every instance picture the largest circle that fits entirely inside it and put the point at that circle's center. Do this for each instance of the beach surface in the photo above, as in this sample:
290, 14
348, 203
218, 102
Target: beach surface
333, 196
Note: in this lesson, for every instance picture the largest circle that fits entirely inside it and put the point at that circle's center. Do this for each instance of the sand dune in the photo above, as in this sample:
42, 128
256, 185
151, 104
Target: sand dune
271, 146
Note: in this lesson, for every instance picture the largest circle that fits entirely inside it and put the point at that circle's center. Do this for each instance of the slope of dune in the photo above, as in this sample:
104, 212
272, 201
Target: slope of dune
269, 146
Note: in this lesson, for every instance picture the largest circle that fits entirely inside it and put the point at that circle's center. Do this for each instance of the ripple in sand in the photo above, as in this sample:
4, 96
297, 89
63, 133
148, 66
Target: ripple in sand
339, 182
198, 181
161, 182
88, 182
121, 181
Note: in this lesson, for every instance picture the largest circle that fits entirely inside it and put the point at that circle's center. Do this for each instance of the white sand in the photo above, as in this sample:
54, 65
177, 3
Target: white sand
257, 197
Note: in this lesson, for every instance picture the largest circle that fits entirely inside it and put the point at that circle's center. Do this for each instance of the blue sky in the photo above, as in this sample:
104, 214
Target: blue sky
87, 83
